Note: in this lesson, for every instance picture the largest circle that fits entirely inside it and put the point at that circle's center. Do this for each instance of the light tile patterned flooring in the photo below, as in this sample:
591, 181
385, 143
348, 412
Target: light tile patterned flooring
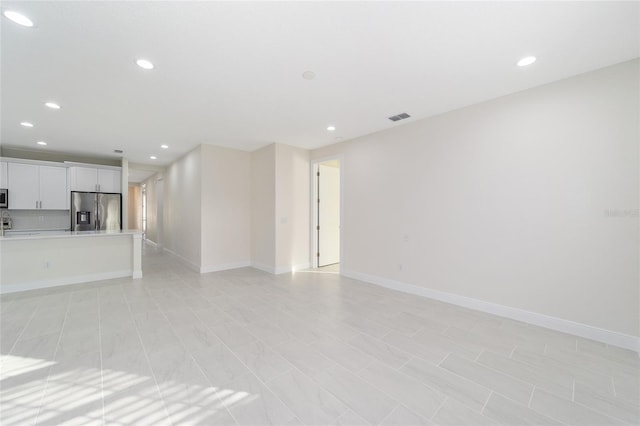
245, 347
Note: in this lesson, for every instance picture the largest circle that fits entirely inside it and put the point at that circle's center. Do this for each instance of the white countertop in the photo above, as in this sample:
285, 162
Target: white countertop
39, 235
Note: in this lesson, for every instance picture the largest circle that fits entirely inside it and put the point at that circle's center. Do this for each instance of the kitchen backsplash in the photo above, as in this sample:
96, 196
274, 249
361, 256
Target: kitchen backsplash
39, 219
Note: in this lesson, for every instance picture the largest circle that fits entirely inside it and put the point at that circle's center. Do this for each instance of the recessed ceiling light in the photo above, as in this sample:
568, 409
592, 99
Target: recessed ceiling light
526, 61
26, 124
43, 143
52, 105
308, 75
144, 63
18, 18
153, 157
164, 146
331, 128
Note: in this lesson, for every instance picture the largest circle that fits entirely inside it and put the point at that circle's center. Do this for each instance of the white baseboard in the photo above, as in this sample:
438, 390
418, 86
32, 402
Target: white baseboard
224, 267
288, 269
301, 266
151, 243
183, 260
263, 267
566, 326
34, 285
208, 268
281, 269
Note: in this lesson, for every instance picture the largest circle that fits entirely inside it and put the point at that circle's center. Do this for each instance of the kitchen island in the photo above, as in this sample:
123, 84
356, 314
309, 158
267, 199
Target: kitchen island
38, 260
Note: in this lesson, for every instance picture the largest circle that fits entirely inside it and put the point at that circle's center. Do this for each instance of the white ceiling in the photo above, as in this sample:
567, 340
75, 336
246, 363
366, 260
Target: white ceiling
230, 73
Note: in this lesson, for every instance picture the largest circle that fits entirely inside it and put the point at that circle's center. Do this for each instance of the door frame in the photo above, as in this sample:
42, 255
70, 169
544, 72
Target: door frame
314, 207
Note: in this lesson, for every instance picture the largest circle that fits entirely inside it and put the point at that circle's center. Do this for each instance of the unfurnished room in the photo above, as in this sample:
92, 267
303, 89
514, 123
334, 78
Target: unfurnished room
319, 213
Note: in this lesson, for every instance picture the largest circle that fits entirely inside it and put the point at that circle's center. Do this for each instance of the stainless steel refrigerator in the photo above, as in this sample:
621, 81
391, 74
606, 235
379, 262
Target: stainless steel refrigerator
96, 211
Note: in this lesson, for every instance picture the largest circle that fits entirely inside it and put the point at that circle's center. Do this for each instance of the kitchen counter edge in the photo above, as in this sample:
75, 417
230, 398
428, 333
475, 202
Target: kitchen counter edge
70, 234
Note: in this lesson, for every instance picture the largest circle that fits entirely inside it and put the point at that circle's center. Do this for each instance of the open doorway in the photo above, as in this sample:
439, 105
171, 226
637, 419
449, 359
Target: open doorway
135, 206
327, 214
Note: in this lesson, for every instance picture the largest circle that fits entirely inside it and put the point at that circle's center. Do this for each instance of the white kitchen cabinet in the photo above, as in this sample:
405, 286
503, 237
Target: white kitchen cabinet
110, 180
92, 179
37, 187
54, 194
3, 174
84, 179
24, 186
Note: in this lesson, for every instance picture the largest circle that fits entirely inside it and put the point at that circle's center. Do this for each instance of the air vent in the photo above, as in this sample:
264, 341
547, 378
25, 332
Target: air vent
118, 151
399, 117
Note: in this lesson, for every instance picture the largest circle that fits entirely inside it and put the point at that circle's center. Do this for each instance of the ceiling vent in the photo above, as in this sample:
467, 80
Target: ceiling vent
399, 117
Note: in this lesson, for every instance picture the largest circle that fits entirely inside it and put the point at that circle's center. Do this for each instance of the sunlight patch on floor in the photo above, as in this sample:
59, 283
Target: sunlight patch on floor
16, 365
86, 394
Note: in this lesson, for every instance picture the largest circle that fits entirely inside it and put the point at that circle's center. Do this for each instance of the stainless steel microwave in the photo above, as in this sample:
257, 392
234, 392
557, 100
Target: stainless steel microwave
4, 198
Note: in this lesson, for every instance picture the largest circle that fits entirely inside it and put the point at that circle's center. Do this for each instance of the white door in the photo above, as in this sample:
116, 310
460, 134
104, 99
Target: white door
53, 188
109, 180
328, 215
24, 185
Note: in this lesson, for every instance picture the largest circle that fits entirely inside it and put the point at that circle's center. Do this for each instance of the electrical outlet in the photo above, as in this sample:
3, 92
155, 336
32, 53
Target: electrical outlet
47, 264
400, 267
405, 238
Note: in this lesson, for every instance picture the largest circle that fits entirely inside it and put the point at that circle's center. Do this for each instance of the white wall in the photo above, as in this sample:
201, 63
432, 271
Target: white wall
506, 201
263, 208
292, 208
152, 209
206, 211
182, 183
226, 208
280, 208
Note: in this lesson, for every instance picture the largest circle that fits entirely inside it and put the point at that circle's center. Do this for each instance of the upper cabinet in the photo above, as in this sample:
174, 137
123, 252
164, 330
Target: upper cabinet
37, 187
83, 179
110, 180
54, 191
3, 174
92, 179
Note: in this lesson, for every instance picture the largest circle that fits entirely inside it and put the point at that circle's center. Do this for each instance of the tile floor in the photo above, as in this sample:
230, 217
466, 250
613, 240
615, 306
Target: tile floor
245, 347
